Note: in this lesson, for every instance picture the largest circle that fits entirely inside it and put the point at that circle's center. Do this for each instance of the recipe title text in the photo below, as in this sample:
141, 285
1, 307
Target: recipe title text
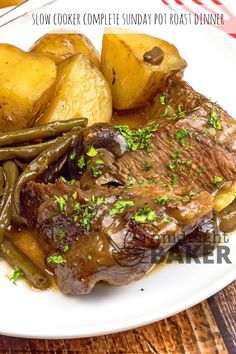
126, 19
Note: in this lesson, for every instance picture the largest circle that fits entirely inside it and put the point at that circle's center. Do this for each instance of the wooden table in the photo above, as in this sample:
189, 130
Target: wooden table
208, 328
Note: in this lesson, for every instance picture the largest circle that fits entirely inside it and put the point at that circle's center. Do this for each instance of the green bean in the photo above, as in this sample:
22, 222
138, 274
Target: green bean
2, 181
24, 152
41, 131
17, 258
39, 165
11, 174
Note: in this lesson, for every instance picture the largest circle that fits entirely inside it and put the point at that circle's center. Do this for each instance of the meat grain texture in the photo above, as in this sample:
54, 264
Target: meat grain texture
107, 224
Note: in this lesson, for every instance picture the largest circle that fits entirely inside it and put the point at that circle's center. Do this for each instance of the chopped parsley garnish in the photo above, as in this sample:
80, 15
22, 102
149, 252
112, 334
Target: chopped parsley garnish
17, 275
196, 108
166, 219
90, 257
74, 195
174, 179
92, 152
61, 234
101, 201
181, 112
182, 134
214, 121
72, 155
120, 206
75, 218
144, 214
185, 199
61, 202
162, 199
147, 165
99, 162
86, 212
129, 178
96, 172
138, 138
175, 154
151, 181
188, 163
163, 100
140, 183
71, 182
172, 165
89, 213
55, 259
77, 207
66, 248
81, 162
217, 179
180, 107
201, 170
130, 186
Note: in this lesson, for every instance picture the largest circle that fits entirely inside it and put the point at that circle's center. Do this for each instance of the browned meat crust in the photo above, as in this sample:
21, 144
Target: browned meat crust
193, 153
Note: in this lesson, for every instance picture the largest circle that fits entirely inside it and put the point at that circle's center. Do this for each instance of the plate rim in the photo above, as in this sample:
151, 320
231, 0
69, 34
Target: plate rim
200, 296
146, 320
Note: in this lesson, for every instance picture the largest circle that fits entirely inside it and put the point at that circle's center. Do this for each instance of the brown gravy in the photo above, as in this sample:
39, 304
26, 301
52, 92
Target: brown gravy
25, 238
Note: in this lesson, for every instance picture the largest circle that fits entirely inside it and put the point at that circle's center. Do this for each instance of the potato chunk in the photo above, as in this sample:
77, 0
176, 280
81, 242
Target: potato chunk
80, 91
26, 82
225, 196
134, 81
59, 46
7, 3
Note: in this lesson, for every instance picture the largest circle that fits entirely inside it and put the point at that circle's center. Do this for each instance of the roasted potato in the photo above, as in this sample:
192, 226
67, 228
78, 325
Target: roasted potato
133, 80
80, 91
6, 3
59, 46
225, 196
26, 81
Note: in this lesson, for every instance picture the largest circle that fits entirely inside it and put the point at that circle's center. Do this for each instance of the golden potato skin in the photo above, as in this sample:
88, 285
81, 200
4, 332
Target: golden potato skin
133, 81
59, 46
26, 82
80, 91
225, 196
6, 3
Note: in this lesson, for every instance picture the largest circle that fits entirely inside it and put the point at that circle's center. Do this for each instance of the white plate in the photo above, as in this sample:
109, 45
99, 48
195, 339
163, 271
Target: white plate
211, 57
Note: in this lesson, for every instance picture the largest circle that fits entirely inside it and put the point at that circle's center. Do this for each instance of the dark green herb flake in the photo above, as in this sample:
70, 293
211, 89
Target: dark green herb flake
61, 202
162, 199
182, 134
138, 138
163, 100
120, 206
214, 121
56, 259
144, 214
92, 152
81, 162
96, 172
17, 275
72, 155
147, 165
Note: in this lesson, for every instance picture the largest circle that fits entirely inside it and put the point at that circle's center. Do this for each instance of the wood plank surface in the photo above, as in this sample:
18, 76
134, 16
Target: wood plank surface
208, 328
